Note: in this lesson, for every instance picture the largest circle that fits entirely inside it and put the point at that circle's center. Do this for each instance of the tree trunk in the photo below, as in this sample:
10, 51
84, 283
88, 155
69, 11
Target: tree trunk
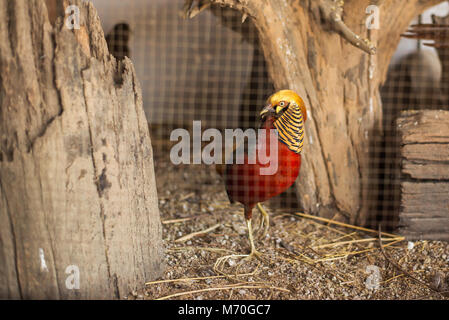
308, 49
77, 188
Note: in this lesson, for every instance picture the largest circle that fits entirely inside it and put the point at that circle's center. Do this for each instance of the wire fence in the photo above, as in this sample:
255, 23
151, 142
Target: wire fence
211, 68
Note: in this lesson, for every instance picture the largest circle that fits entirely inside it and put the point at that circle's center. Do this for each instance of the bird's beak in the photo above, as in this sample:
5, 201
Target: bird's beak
267, 110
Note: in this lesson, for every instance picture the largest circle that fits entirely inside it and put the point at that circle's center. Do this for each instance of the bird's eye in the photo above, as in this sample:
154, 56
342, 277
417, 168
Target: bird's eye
280, 106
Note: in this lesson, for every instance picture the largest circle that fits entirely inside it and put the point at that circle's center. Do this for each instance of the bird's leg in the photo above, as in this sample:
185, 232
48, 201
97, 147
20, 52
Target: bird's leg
264, 221
254, 253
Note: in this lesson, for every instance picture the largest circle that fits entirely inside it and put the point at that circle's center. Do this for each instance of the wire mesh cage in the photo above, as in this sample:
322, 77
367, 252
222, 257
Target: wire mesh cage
414, 82
96, 200
211, 68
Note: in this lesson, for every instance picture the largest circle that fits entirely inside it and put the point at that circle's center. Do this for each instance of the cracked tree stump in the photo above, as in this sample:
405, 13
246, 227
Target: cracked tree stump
424, 174
323, 50
77, 185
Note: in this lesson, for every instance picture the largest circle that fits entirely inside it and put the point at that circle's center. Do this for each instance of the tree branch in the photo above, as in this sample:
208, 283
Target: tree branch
332, 11
190, 10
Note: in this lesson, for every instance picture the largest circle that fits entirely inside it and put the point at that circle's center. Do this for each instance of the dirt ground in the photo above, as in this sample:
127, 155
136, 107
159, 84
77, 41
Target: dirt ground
303, 258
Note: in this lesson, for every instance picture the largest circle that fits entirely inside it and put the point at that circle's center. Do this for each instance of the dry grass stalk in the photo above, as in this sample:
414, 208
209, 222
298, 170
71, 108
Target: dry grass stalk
335, 244
211, 249
176, 220
196, 279
198, 233
179, 294
341, 224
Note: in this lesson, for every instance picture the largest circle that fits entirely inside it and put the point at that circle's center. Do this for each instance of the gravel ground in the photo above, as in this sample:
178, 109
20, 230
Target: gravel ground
302, 258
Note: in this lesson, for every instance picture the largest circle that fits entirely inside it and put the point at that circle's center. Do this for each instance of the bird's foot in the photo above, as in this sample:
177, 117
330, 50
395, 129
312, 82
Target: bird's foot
219, 265
254, 255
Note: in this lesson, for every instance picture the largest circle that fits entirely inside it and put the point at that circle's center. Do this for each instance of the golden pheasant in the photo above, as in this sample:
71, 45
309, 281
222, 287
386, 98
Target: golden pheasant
283, 120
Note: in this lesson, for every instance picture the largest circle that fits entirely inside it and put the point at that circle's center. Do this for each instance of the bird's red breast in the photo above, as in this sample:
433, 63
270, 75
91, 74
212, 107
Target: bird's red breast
246, 182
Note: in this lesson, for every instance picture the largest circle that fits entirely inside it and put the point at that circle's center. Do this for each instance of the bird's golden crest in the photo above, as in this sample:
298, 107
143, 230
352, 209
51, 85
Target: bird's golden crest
292, 115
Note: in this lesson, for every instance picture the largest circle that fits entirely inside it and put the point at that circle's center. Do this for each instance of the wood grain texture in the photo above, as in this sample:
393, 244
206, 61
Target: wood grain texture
77, 183
424, 210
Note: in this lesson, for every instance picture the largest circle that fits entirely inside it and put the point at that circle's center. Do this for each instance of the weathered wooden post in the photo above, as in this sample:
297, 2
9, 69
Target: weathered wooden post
78, 205
424, 145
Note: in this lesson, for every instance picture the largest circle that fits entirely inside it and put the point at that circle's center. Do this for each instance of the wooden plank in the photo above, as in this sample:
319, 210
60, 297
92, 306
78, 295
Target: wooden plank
410, 235
423, 171
78, 197
424, 212
425, 144
431, 224
426, 151
424, 126
428, 198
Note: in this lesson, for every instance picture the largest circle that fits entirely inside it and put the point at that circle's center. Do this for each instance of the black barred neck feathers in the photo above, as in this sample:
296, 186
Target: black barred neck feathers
290, 127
